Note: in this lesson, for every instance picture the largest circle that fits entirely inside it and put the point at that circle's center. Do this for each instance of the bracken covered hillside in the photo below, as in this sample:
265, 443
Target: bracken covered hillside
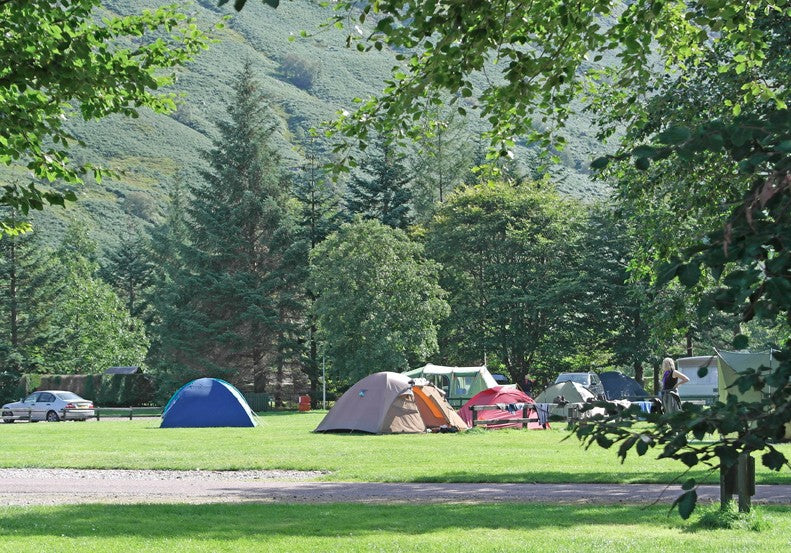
307, 80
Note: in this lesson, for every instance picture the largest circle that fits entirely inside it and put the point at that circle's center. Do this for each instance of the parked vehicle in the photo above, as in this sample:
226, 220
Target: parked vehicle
699, 388
590, 381
49, 405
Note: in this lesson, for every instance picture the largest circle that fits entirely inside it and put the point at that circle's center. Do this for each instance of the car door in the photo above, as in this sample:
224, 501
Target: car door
43, 404
26, 406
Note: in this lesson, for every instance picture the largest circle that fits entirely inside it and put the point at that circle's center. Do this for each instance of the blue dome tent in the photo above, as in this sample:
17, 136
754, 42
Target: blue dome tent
207, 402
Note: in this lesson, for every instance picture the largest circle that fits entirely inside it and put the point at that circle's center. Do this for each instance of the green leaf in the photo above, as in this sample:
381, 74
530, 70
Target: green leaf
644, 151
689, 275
686, 503
774, 460
689, 484
674, 135
641, 447
600, 163
667, 272
740, 341
642, 163
690, 458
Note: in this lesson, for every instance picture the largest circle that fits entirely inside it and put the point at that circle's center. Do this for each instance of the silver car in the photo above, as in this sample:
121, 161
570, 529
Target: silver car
49, 405
588, 380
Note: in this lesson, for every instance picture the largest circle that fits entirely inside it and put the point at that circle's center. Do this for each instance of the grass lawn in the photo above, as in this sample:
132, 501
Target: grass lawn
366, 528
285, 441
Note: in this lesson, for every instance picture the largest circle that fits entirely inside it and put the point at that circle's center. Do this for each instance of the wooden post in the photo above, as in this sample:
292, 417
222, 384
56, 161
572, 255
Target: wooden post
727, 485
130, 413
474, 415
745, 481
525, 410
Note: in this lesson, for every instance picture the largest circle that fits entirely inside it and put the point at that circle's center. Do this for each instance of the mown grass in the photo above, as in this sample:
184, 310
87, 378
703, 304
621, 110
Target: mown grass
286, 441
357, 527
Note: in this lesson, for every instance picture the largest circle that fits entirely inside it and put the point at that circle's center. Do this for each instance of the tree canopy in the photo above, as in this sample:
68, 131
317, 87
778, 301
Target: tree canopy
378, 301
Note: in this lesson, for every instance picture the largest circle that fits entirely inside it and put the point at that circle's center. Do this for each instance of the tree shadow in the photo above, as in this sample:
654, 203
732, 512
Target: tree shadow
248, 521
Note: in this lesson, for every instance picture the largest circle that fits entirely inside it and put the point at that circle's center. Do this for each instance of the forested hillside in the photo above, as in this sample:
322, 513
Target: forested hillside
305, 81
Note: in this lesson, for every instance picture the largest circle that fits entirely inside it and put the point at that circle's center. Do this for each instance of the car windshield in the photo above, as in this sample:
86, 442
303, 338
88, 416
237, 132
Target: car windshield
67, 396
573, 377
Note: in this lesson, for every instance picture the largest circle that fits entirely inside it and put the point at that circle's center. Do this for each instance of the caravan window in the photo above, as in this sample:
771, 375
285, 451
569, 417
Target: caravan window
440, 381
462, 386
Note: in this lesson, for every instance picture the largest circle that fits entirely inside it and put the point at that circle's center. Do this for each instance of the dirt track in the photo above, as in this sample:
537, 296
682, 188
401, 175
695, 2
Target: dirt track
66, 486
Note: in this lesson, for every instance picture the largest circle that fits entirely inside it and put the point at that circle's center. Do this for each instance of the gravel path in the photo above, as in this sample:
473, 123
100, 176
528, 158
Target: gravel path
68, 486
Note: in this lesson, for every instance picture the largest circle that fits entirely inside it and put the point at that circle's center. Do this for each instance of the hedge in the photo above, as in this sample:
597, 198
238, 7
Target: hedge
105, 390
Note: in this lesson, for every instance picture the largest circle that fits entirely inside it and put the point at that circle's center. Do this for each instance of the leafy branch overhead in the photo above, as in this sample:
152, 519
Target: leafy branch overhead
61, 61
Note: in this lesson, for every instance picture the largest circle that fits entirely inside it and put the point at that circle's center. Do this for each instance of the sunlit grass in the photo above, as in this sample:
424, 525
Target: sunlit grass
286, 441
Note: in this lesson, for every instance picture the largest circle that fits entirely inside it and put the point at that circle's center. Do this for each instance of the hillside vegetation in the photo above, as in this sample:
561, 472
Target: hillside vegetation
306, 80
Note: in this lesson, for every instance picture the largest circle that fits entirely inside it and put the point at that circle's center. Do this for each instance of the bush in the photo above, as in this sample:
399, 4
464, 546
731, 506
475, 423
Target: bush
731, 519
10, 384
300, 72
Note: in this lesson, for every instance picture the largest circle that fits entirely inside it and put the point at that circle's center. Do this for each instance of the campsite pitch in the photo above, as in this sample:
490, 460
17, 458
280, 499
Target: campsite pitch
285, 441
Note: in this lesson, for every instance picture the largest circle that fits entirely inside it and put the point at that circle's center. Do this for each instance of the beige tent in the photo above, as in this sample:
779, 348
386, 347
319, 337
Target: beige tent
571, 392
391, 403
731, 364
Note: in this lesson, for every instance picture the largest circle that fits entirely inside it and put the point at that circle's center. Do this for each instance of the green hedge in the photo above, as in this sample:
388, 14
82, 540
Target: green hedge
105, 390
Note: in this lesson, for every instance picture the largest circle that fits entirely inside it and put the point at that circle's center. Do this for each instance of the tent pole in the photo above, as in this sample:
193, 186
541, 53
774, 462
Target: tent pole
323, 383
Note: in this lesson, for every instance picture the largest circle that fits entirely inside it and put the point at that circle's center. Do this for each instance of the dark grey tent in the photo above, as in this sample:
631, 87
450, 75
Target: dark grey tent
619, 386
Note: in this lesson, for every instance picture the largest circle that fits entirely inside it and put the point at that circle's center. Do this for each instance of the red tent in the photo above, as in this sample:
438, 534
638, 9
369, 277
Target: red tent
506, 396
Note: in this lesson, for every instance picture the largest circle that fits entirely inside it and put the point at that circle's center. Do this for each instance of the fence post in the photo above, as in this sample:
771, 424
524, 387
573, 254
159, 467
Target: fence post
474, 415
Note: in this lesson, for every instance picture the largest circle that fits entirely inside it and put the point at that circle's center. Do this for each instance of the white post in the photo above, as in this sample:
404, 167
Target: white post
323, 383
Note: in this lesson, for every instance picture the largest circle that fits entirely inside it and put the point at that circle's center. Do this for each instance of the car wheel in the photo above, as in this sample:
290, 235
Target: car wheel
8, 421
52, 416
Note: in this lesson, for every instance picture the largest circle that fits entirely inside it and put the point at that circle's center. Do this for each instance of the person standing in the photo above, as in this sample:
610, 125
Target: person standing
671, 380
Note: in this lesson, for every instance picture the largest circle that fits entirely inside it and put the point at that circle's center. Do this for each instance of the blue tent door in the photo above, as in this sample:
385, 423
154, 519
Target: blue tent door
207, 402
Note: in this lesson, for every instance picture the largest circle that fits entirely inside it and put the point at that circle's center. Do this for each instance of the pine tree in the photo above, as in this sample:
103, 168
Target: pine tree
319, 216
443, 160
129, 270
381, 190
232, 311
31, 282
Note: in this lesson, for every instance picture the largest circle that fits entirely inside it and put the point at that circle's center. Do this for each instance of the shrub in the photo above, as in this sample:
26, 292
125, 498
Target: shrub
731, 519
300, 72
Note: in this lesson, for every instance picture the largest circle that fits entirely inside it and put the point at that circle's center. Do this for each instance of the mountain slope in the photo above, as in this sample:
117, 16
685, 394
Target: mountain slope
154, 150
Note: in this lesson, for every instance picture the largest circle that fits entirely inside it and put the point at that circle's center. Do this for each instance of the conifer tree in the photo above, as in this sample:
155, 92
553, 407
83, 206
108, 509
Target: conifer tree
31, 282
319, 216
128, 269
232, 313
381, 189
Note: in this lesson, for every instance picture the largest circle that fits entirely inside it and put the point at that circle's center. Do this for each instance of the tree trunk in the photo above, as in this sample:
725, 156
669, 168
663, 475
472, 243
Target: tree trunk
638, 372
656, 378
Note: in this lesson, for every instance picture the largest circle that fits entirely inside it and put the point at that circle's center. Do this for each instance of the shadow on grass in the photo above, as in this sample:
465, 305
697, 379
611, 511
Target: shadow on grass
235, 521
612, 476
